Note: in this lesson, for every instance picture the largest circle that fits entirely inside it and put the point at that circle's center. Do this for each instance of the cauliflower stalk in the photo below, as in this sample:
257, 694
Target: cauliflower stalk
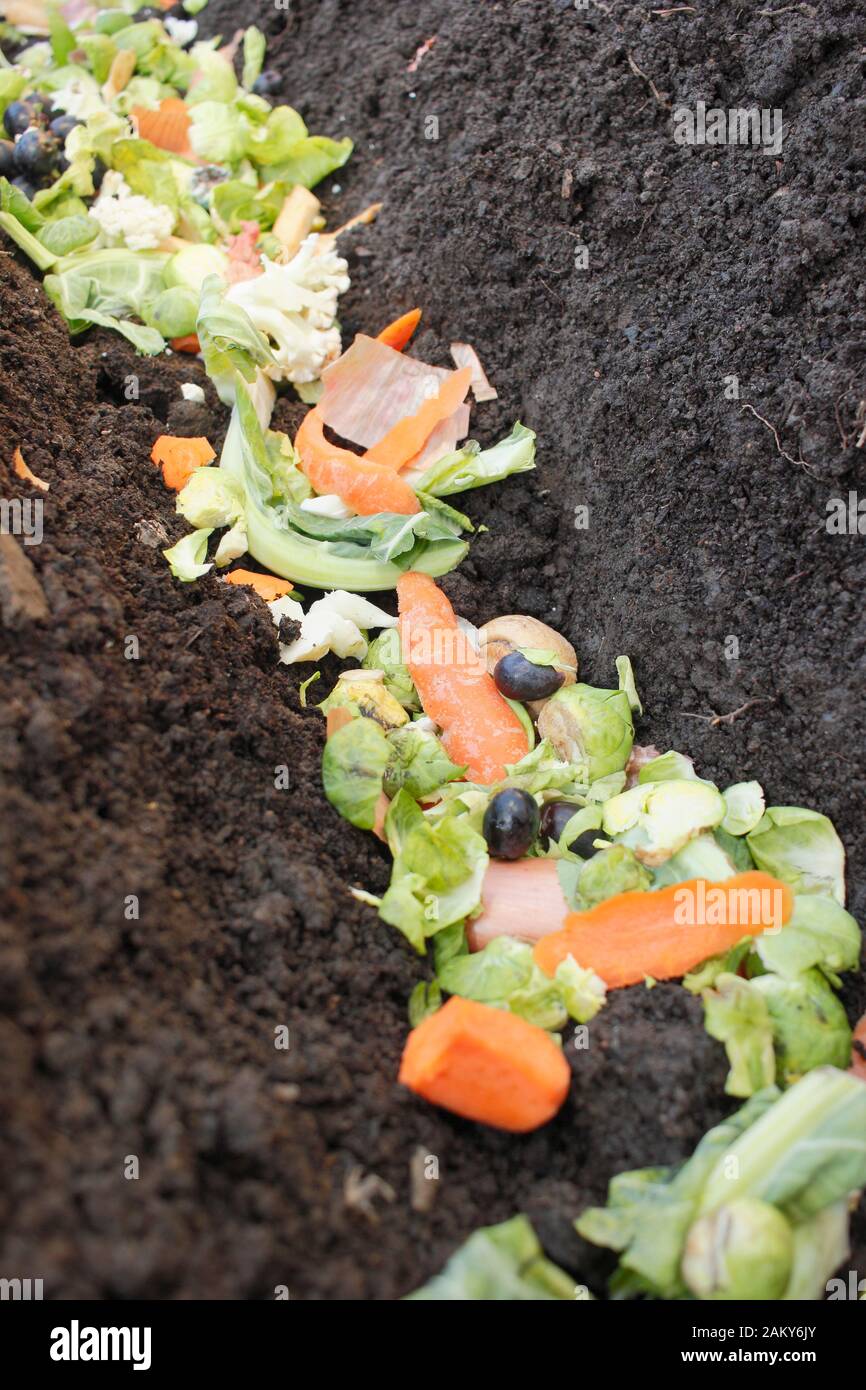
129, 217
295, 306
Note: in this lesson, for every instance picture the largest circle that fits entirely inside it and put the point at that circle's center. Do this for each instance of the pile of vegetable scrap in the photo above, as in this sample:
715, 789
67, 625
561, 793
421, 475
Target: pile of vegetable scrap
760, 1211
543, 855
136, 165
547, 860
312, 511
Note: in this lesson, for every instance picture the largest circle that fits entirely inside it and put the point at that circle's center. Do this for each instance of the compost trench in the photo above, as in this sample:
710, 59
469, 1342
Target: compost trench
146, 767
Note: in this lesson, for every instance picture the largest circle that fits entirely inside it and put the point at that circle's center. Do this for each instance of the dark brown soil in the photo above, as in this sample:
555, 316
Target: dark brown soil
154, 776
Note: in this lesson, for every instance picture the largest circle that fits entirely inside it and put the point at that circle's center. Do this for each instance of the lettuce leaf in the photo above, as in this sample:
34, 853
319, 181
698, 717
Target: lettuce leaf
230, 342
499, 1263
504, 975
214, 79
438, 871
810, 1026
385, 654
106, 288
147, 170
217, 133
310, 160
186, 557
64, 235
468, 467
736, 1014
236, 201
649, 1211
819, 933
255, 46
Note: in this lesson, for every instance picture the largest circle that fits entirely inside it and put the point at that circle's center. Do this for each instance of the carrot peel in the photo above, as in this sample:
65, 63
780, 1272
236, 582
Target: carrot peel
366, 486
667, 933
167, 126
188, 343
398, 333
408, 437
267, 586
481, 731
486, 1065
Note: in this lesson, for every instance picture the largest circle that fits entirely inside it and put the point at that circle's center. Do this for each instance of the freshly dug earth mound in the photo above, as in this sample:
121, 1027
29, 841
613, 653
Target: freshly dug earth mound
146, 767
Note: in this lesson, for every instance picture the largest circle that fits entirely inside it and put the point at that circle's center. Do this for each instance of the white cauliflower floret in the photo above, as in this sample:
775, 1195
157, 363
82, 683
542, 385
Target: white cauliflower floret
79, 98
129, 216
295, 306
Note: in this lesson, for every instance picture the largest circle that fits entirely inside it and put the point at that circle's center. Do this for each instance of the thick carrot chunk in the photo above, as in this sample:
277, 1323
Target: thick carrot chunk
668, 933
179, 457
486, 1065
481, 730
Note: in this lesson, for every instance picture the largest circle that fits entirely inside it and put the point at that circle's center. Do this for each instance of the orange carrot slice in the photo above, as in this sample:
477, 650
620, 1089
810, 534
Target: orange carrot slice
480, 729
189, 343
179, 458
486, 1065
166, 126
668, 933
398, 333
858, 1049
366, 486
267, 586
521, 899
408, 437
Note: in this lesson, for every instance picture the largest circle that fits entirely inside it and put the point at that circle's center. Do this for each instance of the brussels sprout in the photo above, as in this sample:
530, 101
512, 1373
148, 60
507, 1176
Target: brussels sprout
668, 767
743, 1250
366, 691
418, 761
702, 857
810, 1026
819, 932
191, 267
656, 819
173, 313
385, 655
744, 807
589, 725
353, 766
801, 848
611, 871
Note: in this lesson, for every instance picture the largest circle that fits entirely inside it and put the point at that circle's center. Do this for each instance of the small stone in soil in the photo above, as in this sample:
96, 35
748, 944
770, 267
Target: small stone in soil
22, 599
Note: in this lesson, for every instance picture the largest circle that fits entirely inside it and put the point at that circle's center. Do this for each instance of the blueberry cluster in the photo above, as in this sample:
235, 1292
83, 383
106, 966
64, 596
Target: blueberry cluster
32, 157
